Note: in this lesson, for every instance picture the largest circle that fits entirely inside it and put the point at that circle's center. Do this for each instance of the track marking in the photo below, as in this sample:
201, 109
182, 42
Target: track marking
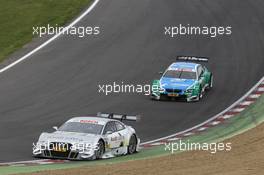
227, 116
51, 39
238, 109
188, 134
255, 96
202, 129
246, 103
261, 89
215, 123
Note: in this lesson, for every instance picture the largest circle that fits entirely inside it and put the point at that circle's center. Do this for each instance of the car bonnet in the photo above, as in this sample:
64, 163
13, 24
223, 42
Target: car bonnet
175, 83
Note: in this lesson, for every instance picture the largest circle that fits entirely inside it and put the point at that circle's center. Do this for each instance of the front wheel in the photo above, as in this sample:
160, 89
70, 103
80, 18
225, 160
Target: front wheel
210, 83
132, 147
200, 95
100, 150
153, 97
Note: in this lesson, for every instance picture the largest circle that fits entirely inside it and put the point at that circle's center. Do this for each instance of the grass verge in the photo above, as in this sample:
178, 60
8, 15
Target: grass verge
17, 18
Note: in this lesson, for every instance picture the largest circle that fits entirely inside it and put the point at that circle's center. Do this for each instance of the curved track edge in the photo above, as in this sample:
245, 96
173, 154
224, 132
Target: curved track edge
236, 108
79, 18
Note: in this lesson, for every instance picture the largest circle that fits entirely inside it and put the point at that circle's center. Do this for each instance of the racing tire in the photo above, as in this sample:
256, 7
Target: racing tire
200, 95
159, 98
132, 147
154, 98
100, 151
211, 82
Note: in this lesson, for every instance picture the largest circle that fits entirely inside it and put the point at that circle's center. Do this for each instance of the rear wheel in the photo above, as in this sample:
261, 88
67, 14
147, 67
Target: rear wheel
132, 147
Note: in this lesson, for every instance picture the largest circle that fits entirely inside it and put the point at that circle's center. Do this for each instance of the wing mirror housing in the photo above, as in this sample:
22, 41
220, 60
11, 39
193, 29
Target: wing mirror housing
109, 132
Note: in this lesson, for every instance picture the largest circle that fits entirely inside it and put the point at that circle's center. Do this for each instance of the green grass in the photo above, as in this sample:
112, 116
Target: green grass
17, 18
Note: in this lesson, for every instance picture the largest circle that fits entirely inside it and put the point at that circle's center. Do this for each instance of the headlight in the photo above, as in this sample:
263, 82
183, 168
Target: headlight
42, 145
39, 147
161, 90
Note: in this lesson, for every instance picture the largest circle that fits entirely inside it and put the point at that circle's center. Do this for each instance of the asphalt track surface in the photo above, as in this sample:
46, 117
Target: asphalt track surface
61, 80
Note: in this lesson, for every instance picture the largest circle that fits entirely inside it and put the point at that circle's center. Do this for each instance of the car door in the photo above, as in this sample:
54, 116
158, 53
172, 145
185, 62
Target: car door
201, 77
113, 137
121, 130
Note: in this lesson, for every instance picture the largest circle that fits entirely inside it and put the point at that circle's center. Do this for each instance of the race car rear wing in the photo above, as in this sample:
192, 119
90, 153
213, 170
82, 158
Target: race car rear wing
120, 117
192, 58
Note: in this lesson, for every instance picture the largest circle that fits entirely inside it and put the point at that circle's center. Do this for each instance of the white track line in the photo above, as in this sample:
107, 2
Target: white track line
51, 39
22, 162
157, 143
174, 139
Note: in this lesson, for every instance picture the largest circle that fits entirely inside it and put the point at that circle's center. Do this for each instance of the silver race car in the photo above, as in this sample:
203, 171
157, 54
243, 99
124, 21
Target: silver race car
89, 138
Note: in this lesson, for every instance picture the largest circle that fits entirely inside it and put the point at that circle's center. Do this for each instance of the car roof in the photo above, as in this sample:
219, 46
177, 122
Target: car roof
183, 65
88, 119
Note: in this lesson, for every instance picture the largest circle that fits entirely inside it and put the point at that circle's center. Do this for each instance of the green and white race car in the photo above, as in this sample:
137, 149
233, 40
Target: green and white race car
184, 79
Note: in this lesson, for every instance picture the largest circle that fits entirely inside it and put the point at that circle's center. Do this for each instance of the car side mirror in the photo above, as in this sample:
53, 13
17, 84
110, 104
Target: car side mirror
160, 72
109, 132
55, 127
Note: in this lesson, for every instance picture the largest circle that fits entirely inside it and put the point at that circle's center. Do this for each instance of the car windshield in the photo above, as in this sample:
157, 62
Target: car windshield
89, 128
181, 74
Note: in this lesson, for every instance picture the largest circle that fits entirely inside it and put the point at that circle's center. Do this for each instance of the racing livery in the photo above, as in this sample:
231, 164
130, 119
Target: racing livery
89, 138
183, 79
